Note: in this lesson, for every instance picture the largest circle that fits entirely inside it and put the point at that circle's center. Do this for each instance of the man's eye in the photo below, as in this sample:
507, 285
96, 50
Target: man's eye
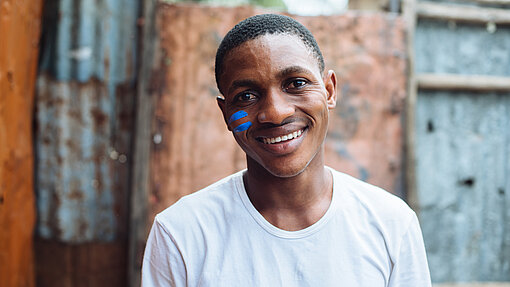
296, 84
244, 97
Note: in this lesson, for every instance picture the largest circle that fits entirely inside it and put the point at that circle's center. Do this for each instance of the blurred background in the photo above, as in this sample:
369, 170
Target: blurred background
108, 116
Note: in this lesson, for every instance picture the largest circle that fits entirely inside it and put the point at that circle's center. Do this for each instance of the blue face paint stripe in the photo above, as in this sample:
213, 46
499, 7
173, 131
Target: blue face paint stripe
242, 127
237, 115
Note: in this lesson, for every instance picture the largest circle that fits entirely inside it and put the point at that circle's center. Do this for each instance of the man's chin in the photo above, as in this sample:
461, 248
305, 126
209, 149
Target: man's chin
285, 170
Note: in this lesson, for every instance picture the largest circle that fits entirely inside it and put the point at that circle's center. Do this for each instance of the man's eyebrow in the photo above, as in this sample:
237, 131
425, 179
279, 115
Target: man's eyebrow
241, 83
293, 70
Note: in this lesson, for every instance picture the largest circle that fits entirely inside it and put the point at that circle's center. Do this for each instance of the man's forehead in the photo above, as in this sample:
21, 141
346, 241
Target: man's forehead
269, 44
271, 57
269, 40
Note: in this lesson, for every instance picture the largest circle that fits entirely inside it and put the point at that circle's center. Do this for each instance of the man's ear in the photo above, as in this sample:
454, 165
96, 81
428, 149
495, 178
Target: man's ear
330, 84
221, 104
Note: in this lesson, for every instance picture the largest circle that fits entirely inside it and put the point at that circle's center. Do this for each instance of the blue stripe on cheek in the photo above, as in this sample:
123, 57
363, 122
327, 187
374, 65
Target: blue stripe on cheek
237, 115
242, 127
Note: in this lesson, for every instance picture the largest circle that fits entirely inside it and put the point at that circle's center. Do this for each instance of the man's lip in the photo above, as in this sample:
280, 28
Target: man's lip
282, 136
283, 147
272, 132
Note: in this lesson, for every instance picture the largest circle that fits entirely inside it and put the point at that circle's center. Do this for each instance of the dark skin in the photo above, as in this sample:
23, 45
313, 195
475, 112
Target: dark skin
278, 82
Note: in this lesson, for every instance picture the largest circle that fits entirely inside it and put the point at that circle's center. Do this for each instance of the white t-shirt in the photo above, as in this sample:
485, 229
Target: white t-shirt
216, 237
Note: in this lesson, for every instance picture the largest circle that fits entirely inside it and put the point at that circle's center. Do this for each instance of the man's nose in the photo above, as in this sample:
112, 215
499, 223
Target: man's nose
275, 107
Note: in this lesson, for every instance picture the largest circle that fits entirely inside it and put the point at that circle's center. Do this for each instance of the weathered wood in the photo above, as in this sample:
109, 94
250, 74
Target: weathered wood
462, 13
139, 196
20, 23
80, 265
463, 82
409, 10
477, 284
497, 2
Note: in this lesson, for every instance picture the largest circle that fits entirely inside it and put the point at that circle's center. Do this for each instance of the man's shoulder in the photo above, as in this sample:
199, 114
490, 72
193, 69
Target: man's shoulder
371, 199
202, 203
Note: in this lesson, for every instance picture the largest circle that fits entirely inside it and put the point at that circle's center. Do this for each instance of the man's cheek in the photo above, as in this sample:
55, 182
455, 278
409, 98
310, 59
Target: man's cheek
237, 124
242, 127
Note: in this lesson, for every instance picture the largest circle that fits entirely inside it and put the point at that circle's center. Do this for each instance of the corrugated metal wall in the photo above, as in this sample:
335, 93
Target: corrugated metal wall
19, 34
84, 121
85, 94
463, 153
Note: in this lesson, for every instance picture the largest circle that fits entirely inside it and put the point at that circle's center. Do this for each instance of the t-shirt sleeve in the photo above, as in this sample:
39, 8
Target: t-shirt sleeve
163, 264
410, 267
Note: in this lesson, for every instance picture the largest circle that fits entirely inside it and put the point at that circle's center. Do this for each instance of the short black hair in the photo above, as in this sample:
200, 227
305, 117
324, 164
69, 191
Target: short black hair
260, 25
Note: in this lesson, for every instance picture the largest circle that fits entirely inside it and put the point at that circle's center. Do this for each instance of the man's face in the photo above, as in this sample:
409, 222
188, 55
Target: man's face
275, 80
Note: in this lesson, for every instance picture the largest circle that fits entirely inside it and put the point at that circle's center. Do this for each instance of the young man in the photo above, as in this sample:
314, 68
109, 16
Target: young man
287, 220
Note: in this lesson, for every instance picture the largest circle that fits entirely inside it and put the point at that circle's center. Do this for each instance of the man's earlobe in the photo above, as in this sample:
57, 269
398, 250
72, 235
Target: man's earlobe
330, 84
220, 100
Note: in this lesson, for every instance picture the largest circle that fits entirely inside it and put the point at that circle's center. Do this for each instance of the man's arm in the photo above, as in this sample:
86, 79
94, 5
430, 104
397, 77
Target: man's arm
163, 264
410, 267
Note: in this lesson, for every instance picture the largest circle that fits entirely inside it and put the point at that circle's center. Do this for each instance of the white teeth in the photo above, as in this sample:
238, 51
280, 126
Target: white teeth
282, 138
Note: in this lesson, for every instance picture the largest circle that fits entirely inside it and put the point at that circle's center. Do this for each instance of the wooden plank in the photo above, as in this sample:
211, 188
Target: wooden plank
474, 284
496, 2
409, 11
463, 82
98, 264
20, 23
462, 13
138, 225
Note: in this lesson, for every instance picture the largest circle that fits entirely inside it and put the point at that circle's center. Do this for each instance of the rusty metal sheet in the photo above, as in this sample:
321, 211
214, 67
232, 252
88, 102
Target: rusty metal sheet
367, 52
84, 116
192, 147
19, 30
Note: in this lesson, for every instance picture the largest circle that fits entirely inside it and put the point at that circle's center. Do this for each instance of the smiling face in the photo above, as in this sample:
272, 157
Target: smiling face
277, 82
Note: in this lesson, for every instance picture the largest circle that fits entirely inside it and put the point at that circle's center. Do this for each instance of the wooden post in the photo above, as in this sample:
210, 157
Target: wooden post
142, 143
19, 30
412, 91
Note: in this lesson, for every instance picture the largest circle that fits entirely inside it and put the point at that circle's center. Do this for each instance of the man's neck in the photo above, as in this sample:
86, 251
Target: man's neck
290, 203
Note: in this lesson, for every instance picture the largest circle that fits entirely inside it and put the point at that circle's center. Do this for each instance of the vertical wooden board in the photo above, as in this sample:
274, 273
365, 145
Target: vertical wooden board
192, 147
89, 264
19, 30
463, 163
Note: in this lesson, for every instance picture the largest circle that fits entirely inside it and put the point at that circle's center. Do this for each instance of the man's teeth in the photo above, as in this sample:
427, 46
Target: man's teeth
282, 138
